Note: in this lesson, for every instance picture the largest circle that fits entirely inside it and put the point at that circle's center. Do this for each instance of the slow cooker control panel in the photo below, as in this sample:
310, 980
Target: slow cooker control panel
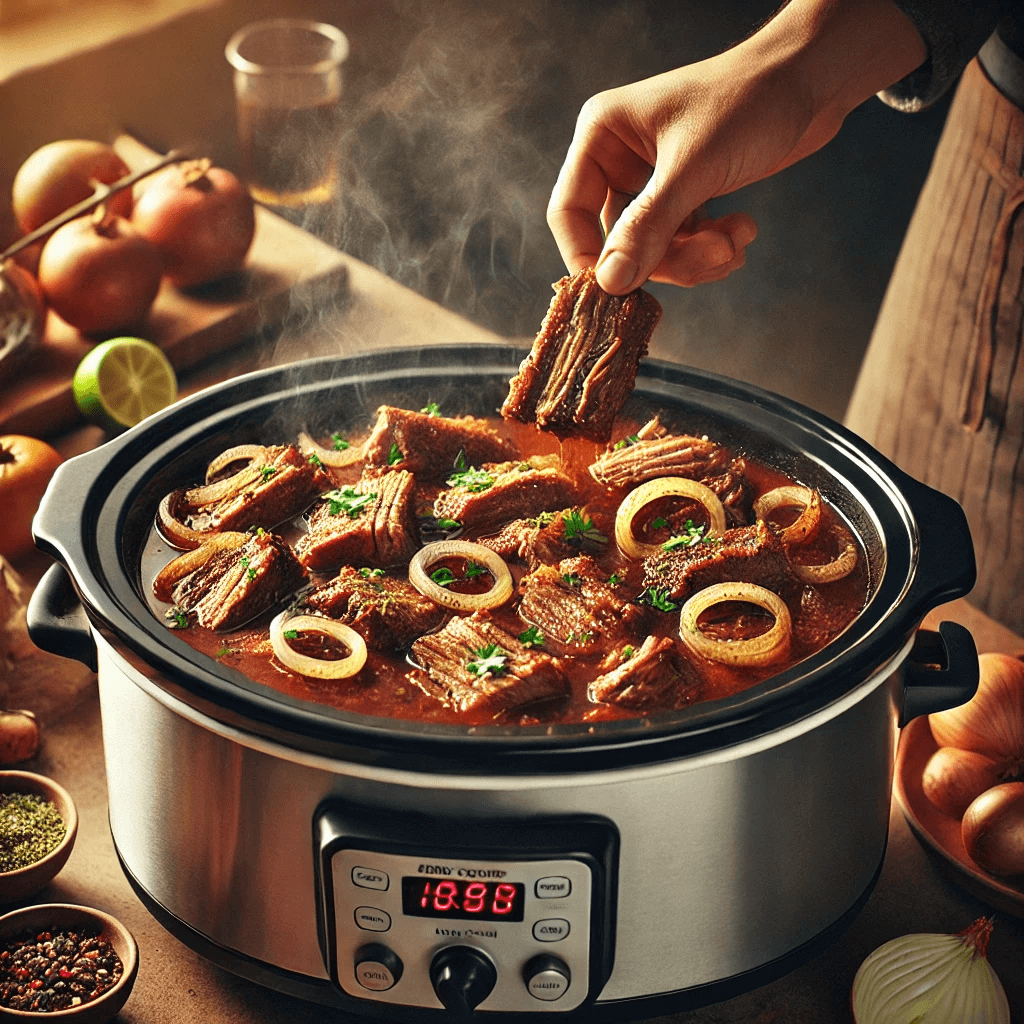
503, 926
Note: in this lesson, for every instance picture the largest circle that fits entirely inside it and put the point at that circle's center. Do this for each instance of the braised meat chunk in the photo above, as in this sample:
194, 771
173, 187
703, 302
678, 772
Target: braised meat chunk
497, 493
734, 492
275, 489
551, 536
429, 445
746, 554
237, 585
370, 524
476, 667
648, 678
387, 613
584, 360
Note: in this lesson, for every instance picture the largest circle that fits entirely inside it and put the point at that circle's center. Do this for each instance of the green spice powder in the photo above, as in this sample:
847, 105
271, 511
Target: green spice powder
30, 828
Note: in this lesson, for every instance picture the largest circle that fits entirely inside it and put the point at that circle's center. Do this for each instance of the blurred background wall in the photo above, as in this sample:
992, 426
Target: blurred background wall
458, 117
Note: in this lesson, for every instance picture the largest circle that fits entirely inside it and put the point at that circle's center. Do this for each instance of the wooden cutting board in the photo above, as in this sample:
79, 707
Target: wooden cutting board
189, 326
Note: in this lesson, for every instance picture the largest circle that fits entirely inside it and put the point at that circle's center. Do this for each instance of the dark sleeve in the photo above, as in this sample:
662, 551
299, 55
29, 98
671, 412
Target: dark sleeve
953, 31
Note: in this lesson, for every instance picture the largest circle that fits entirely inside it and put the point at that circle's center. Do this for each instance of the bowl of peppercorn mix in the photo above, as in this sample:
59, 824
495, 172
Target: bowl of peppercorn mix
65, 962
38, 825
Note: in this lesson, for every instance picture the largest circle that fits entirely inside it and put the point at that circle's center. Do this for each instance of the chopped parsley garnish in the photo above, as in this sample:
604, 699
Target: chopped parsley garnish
448, 524
659, 523
573, 579
251, 573
315, 459
658, 599
267, 472
443, 576
291, 634
225, 651
578, 526
349, 501
395, 455
489, 660
579, 638
614, 580
625, 442
461, 464
544, 519
245, 561
689, 538
178, 617
473, 570
431, 409
474, 480
531, 637
627, 652
371, 574
340, 443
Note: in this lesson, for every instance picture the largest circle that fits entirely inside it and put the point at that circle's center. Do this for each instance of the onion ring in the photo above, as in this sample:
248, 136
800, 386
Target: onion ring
177, 534
226, 488
426, 556
792, 496
828, 572
760, 650
329, 456
252, 452
181, 566
319, 668
651, 490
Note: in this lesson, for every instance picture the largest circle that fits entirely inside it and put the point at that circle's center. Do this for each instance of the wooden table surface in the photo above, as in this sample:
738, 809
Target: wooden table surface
176, 985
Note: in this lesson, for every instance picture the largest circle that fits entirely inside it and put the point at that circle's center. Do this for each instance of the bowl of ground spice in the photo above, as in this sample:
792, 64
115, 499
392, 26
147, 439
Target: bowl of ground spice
64, 962
38, 825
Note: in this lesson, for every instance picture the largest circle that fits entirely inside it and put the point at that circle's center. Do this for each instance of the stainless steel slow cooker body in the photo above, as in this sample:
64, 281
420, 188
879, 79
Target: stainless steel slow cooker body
689, 855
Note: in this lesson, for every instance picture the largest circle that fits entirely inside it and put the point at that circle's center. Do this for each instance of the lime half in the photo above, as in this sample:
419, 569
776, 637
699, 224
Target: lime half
122, 381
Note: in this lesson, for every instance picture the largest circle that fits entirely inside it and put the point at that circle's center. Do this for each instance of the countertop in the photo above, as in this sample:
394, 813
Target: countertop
176, 985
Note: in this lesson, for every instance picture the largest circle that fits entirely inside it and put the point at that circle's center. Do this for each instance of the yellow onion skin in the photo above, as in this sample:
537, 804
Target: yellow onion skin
992, 722
930, 979
993, 830
953, 778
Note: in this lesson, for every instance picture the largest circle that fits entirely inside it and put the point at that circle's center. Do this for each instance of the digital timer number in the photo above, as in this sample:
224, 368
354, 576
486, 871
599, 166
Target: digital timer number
465, 900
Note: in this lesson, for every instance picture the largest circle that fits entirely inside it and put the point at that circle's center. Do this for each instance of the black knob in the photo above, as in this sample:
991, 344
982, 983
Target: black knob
463, 978
546, 977
377, 967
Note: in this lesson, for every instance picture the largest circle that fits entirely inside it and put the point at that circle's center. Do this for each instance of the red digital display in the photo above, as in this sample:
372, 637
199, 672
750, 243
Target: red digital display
462, 899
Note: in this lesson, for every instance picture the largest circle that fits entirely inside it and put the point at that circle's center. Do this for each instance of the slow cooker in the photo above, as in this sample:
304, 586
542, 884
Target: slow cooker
623, 869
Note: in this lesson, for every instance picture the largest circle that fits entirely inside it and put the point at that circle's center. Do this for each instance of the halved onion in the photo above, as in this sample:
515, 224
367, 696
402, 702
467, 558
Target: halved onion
491, 560
178, 535
225, 488
319, 668
329, 456
180, 567
255, 454
760, 650
651, 490
840, 566
792, 496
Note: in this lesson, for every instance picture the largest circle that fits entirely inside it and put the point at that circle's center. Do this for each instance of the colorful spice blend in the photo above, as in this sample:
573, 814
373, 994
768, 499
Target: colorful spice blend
56, 970
30, 828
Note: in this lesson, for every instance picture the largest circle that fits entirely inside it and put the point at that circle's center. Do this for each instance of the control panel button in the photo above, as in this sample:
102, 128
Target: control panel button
554, 887
370, 878
552, 929
372, 920
377, 968
546, 977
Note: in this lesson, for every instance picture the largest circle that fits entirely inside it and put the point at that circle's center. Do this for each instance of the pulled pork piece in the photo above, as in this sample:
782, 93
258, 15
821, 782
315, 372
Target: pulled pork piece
584, 360
428, 446
235, 586
282, 488
550, 537
372, 523
476, 667
747, 554
653, 452
500, 492
576, 604
648, 678
387, 613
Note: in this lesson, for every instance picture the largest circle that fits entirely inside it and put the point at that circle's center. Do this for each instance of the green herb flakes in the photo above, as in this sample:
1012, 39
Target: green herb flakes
349, 501
226, 651
689, 538
371, 574
627, 652
461, 463
578, 527
315, 460
30, 829
395, 455
544, 519
658, 599
474, 480
340, 443
473, 570
267, 472
291, 634
448, 524
443, 576
531, 637
431, 409
177, 617
573, 579
659, 523
630, 439
488, 660
614, 580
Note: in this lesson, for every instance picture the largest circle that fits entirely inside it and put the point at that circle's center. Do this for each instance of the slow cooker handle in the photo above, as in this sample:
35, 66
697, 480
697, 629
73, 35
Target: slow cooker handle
56, 620
941, 672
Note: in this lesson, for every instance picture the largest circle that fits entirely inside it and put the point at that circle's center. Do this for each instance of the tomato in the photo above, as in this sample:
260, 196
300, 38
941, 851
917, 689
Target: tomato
26, 465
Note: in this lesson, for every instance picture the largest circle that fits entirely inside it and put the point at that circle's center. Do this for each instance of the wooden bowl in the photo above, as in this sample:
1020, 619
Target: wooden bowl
16, 885
61, 917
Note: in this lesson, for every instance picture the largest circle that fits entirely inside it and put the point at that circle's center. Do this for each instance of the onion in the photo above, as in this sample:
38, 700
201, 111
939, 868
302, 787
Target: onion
330, 456
792, 496
254, 453
993, 829
651, 490
319, 668
427, 556
953, 778
760, 650
931, 979
178, 535
842, 565
178, 568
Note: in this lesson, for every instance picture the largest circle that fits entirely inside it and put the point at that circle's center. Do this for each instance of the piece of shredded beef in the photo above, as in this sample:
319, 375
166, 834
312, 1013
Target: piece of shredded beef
584, 360
237, 585
551, 536
518, 676
649, 678
734, 492
429, 446
387, 613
